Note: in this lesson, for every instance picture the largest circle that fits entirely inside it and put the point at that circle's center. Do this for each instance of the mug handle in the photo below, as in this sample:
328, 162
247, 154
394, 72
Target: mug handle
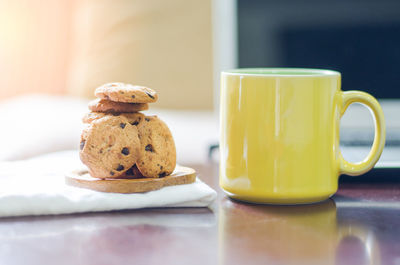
354, 169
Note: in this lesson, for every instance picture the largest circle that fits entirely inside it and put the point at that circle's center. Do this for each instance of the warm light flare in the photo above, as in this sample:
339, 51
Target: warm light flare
34, 43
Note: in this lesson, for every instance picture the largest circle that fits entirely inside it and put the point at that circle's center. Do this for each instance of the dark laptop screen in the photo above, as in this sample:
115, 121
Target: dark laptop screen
345, 36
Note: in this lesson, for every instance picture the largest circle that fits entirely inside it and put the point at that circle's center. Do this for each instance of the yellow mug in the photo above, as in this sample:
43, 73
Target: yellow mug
279, 139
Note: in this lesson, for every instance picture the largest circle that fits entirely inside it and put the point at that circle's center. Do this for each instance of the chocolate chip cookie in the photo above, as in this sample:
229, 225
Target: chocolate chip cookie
109, 146
108, 106
133, 118
128, 93
157, 156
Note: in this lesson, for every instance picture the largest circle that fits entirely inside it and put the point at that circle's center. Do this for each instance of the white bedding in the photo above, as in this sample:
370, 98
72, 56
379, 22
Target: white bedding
37, 187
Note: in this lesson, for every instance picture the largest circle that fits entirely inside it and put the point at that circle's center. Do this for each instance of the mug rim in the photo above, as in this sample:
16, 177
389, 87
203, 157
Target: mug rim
281, 72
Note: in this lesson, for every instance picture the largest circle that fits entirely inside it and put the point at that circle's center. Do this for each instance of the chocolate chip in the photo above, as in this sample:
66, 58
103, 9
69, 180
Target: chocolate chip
149, 148
150, 95
125, 151
122, 125
121, 92
135, 123
111, 173
133, 96
147, 119
120, 168
129, 172
82, 144
162, 174
161, 167
106, 97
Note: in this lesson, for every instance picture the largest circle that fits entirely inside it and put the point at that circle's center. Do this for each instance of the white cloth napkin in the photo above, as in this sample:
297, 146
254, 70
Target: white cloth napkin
37, 187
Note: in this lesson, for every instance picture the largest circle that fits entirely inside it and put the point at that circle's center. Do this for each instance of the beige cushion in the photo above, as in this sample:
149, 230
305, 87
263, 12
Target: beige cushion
165, 45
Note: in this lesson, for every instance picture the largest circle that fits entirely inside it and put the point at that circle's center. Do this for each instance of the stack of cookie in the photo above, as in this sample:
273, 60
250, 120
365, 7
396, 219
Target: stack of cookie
120, 142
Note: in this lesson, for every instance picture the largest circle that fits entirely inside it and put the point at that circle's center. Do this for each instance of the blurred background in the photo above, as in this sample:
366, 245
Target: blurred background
71, 47
360, 39
53, 54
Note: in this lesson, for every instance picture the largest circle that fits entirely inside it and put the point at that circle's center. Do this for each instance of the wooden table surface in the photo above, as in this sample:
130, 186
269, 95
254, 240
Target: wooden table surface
359, 225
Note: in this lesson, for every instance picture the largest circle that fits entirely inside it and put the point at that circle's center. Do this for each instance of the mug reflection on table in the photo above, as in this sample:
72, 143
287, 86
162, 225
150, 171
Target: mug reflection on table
305, 234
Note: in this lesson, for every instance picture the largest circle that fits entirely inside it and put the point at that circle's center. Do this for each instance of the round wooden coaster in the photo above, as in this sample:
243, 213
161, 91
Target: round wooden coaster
82, 179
